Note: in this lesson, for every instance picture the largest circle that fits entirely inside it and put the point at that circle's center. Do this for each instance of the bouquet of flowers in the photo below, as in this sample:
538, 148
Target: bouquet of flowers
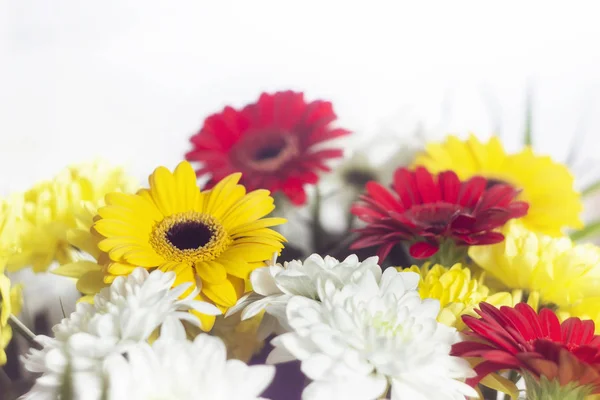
451, 269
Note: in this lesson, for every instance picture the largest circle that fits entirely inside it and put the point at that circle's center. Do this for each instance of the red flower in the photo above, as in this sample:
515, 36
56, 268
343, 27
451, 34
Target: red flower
271, 142
427, 209
519, 338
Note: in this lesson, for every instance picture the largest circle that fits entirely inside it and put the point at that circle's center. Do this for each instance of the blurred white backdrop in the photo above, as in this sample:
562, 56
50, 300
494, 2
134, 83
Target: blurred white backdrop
131, 80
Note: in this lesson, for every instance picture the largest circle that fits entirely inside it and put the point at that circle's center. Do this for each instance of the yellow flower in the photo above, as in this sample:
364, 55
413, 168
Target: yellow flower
212, 239
49, 210
10, 303
556, 270
457, 290
546, 185
9, 228
587, 308
87, 267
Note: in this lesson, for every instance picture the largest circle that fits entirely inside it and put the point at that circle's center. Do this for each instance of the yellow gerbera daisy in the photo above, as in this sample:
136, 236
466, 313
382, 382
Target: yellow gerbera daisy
457, 290
546, 185
49, 210
10, 303
211, 238
554, 270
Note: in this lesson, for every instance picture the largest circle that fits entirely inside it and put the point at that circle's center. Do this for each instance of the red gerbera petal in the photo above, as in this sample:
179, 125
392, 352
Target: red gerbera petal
519, 338
271, 142
429, 209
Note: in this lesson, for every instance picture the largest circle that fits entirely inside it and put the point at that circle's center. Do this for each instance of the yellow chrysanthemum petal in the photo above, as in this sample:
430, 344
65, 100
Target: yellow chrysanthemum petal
11, 300
49, 211
91, 282
558, 270
76, 269
547, 186
458, 292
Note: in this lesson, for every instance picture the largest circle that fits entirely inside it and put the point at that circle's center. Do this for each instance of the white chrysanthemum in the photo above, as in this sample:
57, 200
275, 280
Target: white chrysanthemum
127, 312
275, 285
369, 335
181, 370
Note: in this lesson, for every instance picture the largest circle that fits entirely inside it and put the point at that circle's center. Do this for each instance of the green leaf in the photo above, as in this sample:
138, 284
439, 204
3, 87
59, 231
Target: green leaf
591, 229
591, 189
528, 140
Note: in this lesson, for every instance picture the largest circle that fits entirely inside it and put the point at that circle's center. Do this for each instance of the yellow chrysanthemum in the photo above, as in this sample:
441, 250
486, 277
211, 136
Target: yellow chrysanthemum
10, 303
9, 228
588, 308
49, 209
86, 267
457, 290
555, 270
212, 239
546, 185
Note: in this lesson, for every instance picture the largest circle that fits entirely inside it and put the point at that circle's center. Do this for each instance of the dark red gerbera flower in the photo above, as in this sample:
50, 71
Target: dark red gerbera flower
520, 339
427, 210
273, 143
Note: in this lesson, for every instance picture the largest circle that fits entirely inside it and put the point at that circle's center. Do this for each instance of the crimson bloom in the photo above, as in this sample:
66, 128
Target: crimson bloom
520, 339
428, 210
272, 142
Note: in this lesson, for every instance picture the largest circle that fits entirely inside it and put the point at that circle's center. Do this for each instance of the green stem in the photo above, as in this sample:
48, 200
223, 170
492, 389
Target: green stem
23, 330
317, 229
544, 389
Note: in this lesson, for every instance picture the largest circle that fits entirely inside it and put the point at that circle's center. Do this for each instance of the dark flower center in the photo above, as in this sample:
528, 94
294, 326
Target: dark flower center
269, 152
189, 235
266, 151
358, 177
434, 215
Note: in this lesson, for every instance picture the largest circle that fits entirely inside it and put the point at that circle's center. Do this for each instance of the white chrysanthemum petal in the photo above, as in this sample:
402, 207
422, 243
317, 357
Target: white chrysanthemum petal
180, 370
373, 328
275, 285
127, 312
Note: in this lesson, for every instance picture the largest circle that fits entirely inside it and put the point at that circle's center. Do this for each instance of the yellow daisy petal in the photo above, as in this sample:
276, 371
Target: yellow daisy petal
211, 271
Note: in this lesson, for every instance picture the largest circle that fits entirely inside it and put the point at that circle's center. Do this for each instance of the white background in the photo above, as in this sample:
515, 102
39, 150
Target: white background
131, 80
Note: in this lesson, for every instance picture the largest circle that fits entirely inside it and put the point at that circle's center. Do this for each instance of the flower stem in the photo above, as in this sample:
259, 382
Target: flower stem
23, 330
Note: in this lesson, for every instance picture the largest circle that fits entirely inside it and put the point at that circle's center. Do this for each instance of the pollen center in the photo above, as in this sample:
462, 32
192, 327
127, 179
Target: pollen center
190, 236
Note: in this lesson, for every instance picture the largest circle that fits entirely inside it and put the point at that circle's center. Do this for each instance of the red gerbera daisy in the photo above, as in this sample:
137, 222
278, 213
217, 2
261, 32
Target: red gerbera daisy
520, 339
271, 142
428, 209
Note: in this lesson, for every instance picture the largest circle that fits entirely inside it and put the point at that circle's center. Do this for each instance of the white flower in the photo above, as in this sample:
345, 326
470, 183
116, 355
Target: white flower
369, 335
275, 285
181, 370
127, 312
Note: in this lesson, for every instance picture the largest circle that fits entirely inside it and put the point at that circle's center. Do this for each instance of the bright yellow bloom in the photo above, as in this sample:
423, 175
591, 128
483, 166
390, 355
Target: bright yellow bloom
546, 185
89, 273
588, 308
212, 239
555, 269
50, 207
10, 303
457, 290
9, 228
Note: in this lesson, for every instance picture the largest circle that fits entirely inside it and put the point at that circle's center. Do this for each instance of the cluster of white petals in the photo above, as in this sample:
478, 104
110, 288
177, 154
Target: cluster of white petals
275, 285
180, 370
372, 336
128, 312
